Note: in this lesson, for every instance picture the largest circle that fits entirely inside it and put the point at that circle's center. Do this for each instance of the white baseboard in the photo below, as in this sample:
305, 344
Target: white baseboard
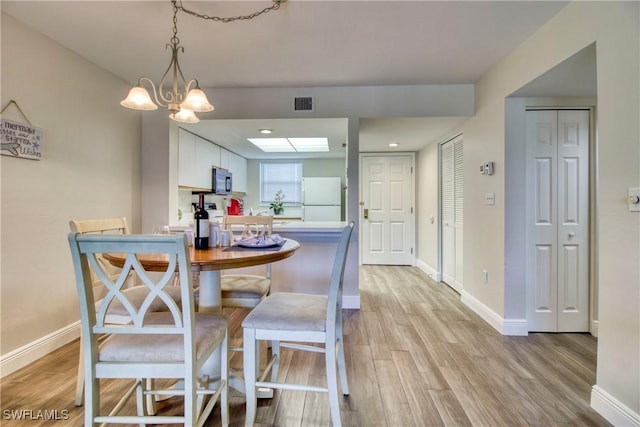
613, 410
32, 351
594, 328
428, 270
512, 327
351, 301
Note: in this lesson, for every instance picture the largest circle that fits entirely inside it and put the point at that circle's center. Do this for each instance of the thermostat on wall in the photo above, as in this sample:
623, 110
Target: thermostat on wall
486, 168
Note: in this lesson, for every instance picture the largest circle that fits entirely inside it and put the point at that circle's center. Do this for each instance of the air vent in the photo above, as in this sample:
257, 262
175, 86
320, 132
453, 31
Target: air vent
303, 103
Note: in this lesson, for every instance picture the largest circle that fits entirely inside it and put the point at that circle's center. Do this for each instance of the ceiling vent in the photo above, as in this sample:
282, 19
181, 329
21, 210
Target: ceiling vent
303, 103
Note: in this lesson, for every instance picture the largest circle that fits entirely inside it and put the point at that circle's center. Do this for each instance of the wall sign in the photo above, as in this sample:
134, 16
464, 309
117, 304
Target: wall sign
20, 139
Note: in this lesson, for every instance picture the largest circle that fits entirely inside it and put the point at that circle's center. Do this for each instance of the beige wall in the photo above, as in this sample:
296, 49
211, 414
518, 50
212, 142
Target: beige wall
427, 209
614, 27
90, 169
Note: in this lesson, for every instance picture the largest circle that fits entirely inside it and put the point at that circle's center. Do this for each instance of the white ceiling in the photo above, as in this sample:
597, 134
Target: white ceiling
305, 43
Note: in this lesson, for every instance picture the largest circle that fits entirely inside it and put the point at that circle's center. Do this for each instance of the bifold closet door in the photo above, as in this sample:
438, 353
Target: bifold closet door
558, 220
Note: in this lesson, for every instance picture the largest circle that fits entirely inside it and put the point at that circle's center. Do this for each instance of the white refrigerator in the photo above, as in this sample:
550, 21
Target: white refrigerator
321, 199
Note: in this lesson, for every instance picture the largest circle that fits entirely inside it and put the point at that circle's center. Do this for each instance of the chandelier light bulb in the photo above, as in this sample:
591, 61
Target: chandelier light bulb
139, 99
197, 101
184, 116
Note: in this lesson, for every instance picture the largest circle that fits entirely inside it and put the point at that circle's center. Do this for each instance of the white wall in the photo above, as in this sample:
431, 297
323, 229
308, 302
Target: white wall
614, 28
427, 212
90, 169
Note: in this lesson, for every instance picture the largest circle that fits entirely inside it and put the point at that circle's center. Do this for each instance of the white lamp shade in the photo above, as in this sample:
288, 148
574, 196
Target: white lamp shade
184, 116
197, 101
138, 99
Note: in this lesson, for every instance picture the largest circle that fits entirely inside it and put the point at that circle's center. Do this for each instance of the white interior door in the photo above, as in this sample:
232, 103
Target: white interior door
558, 220
387, 210
452, 200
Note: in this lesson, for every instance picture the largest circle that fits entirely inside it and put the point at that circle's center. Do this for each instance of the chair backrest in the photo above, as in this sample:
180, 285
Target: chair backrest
100, 226
261, 221
334, 300
86, 250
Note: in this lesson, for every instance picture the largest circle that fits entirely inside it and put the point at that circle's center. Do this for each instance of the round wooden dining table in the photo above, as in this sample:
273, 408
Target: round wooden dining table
208, 263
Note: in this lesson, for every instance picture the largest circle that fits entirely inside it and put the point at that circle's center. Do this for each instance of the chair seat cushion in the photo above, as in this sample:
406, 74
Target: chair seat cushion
244, 286
289, 312
210, 330
136, 295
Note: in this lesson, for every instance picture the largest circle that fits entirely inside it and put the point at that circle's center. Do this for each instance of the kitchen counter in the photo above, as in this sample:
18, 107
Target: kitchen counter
308, 226
318, 244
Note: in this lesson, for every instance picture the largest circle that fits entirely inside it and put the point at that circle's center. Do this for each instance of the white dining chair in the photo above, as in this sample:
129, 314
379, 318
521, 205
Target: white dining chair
240, 290
288, 319
174, 343
116, 312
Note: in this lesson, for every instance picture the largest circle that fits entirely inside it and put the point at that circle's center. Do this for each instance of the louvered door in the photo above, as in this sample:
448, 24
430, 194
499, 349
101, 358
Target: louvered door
452, 212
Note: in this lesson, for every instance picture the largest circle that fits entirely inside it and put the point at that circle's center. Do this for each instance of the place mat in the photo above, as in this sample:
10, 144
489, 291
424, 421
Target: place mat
242, 248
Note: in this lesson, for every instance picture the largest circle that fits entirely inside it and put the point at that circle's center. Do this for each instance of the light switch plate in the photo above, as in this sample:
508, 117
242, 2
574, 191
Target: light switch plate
490, 199
633, 193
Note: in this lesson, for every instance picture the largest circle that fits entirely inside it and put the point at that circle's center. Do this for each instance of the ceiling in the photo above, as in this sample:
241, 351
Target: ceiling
305, 43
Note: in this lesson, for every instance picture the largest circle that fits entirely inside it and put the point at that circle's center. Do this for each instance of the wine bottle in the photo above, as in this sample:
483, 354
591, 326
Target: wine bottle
201, 218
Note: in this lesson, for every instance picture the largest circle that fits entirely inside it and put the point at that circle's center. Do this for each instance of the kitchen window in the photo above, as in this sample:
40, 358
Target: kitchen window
285, 177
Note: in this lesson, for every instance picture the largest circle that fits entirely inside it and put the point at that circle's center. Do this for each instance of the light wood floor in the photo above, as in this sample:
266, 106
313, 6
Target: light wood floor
416, 357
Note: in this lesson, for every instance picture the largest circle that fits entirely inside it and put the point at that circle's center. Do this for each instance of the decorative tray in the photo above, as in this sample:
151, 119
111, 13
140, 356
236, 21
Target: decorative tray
261, 242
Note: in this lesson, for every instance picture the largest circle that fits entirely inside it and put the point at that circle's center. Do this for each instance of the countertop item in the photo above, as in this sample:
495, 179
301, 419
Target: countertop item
286, 226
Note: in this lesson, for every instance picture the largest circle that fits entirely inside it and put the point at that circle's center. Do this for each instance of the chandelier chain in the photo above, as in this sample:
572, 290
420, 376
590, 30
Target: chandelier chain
274, 6
175, 38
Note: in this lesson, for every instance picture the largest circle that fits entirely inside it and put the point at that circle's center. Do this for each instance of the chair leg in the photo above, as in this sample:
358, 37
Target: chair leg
224, 369
141, 402
342, 367
80, 380
332, 383
150, 400
92, 403
275, 352
250, 359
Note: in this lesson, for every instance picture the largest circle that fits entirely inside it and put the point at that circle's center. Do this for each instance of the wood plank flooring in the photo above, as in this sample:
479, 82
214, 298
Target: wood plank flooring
416, 357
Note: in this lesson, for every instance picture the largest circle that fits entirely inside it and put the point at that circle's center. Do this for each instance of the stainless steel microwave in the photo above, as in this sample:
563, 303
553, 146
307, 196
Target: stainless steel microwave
222, 181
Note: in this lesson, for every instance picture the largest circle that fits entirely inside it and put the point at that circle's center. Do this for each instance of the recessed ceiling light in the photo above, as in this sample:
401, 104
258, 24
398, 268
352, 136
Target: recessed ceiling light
266, 131
393, 144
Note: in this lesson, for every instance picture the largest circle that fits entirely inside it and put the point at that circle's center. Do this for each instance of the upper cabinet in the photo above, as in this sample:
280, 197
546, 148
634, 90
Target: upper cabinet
186, 158
237, 165
196, 157
207, 156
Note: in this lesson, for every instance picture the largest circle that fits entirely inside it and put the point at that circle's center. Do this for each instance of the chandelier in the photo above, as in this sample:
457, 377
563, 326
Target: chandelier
181, 97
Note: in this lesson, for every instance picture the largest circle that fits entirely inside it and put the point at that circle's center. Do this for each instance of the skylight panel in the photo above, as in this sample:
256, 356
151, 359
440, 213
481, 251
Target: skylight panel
289, 145
272, 145
305, 145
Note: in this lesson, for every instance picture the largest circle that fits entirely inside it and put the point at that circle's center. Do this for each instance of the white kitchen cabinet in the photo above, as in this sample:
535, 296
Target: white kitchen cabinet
239, 169
207, 156
237, 165
186, 158
196, 157
224, 158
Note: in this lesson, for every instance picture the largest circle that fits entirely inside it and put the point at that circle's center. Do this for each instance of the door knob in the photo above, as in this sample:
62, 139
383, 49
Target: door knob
366, 213
571, 234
